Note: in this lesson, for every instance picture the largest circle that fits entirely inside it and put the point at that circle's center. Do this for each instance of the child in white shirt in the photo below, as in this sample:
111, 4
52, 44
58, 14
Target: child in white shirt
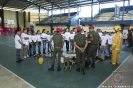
72, 41
49, 38
104, 41
39, 42
34, 40
25, 41
18, 46
30, 43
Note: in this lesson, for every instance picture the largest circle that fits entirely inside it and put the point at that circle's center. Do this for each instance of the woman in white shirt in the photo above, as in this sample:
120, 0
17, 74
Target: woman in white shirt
18, 46
49, 46
34, 40
30, 44
72, 41
44, 40
39, 42
25, 41
67, 39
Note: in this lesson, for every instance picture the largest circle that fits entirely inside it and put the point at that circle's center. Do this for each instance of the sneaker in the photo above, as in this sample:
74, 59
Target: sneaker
78, 69
111, 63
18, 61
27, 56
58, 69
82, 72
51, 69
24, 57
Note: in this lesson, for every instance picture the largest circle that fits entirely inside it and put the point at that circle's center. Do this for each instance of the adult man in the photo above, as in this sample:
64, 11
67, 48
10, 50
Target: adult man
58, 45
129, 38
116, 46
94, 38
80, 42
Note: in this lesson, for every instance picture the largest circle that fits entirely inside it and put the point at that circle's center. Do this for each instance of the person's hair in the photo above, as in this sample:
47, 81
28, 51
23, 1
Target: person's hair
37, 31
43, 30
17, 31
24, 29
84, 31
28, 31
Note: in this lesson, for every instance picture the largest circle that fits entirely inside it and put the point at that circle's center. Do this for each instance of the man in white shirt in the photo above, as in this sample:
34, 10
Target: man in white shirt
44, 40
67, 39
18, 46
25, 41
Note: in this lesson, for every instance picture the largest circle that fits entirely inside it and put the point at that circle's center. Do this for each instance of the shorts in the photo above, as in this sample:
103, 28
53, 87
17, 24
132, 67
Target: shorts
25, 47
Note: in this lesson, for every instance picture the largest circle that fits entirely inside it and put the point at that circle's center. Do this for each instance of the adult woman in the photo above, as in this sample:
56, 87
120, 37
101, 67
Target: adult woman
67, 39
44, 40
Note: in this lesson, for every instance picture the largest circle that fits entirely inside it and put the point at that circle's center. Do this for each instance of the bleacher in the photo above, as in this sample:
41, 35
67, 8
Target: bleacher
59, 18
109, 14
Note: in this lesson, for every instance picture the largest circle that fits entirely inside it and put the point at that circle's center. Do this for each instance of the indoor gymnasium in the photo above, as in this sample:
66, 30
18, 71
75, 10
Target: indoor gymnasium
66, 43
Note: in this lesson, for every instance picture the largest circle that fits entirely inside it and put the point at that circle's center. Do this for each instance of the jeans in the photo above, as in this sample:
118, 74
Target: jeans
30, 49
67, 45
49, 46
39, 47
34, 49
18, 54
109, 48
44, 45
72, 44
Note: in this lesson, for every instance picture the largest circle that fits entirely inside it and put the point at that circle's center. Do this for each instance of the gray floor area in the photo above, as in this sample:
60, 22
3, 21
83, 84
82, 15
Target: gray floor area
122, 77
11, 80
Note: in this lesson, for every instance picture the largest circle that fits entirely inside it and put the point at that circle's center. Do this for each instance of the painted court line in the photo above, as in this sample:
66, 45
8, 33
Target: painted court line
18, 76
6, 44
114, 71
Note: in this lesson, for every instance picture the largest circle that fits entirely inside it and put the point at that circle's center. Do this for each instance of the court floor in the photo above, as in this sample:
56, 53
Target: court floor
30, 74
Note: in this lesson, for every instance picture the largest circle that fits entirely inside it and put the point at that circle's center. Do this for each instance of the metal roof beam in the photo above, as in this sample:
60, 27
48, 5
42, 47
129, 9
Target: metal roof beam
49, 1
34, 4
5, 3
26, 7
73, 3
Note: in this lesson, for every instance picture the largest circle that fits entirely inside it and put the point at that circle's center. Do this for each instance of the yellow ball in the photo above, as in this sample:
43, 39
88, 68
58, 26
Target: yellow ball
40, 60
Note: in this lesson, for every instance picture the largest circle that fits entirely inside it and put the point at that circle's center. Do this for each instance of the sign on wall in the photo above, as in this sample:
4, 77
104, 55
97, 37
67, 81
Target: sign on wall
10, 21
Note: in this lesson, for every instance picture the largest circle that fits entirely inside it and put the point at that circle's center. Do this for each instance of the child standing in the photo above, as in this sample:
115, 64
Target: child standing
18, 46
34, 40
39, 42
25, 40
30, 43
49, 37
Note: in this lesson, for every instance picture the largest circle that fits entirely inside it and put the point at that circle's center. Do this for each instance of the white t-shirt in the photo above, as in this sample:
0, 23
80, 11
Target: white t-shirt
44, 35
34, 38
104, 39
72, 36
67, 35
110, 39
124, 36
49, 37
38, 38
26, 42
100, 34
17, 44
30, 38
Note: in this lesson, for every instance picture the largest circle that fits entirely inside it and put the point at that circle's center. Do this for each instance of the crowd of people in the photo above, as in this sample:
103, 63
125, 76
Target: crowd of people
29, 41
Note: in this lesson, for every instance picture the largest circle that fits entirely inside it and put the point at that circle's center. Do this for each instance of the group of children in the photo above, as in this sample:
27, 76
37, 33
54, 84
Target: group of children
29, 41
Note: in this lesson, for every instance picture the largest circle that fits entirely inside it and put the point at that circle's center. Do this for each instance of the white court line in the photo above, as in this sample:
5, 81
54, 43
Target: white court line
18, 76
114, 71
6, 44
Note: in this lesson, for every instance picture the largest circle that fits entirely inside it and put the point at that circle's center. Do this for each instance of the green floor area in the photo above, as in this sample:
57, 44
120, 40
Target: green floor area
40, 77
